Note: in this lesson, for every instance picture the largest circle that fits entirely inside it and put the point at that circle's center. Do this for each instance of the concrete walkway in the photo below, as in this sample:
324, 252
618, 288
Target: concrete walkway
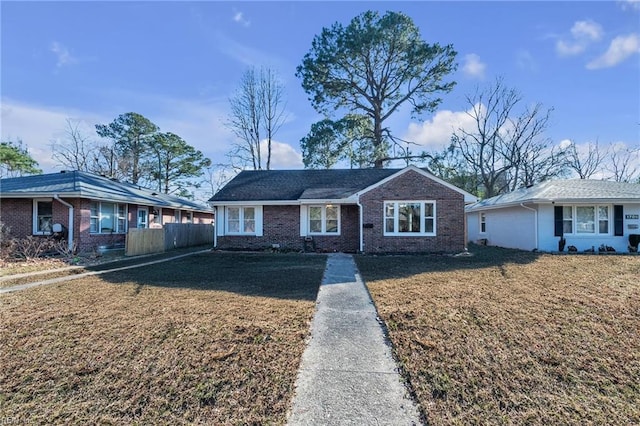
347, 375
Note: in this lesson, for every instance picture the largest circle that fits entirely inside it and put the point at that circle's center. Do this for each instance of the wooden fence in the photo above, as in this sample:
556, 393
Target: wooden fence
171, 236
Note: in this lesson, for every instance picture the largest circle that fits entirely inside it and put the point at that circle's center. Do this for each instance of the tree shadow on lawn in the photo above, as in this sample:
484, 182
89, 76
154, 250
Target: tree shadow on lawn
275, 275
380, 267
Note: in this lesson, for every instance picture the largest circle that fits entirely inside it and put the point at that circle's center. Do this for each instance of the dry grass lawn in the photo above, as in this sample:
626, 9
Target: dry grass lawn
213, 338
507, 337
12, 268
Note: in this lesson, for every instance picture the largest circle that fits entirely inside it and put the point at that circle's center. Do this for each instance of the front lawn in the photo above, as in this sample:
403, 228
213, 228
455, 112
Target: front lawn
213, 338
508, 337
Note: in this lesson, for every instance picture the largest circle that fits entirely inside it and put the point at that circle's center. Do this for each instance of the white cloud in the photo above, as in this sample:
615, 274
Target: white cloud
565, 143
630, 4
586, 30
239, 18
283, 155
565, 48
473, 66
62, 54
583, 33
38, 126
620, 49
435, 134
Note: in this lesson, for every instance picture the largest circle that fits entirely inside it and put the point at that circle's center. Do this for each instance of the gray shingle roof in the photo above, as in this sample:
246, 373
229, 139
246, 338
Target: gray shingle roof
573, 190
88, 185
283, 185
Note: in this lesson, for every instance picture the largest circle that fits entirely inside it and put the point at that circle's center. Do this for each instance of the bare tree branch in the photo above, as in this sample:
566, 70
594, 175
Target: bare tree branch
506, 149
586, 162
624, 163
77, 150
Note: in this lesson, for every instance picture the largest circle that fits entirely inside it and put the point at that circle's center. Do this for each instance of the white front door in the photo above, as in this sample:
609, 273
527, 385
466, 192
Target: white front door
143, 217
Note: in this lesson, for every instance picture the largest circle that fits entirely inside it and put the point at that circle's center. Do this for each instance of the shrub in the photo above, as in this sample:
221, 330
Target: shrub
31, 247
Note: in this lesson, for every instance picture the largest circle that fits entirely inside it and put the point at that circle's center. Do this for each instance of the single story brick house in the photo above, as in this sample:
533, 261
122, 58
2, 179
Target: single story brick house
357, 210
586, 213
91, 210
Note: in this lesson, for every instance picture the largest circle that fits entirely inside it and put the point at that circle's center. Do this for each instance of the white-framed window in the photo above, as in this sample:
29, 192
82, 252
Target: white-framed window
42, 216
410, 218
241, 220
143, 217
483, 223
324, 219
567, 219
586, 219
108, 218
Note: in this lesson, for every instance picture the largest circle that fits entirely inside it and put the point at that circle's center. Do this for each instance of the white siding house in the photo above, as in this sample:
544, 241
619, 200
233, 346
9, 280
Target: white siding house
588, 214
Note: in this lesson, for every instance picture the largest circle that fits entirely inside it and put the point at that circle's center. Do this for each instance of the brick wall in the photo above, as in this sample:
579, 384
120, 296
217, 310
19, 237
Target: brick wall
281, 225
199, 217
85, 240
414, 186
17, 213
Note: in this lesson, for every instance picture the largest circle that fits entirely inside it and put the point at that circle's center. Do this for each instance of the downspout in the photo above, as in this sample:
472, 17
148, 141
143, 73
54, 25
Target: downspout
215, 226
535, 223
70, 207
360, 231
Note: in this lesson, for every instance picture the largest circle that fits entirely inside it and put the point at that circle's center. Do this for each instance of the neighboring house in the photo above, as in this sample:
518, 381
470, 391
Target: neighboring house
587, 213
365, 210
93, 210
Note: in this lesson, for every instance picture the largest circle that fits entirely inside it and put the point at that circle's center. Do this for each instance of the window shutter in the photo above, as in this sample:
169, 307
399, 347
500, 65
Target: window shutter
557, 218
618, 221
303, 221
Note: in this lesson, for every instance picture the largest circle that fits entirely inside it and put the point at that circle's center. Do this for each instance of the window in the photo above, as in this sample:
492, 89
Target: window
177, 218
241, 220
410, 218
483, 223
324, 219
108, 218
567, 219
189, 217
157, 216
603, 219
42, 216
586, 219
143, 217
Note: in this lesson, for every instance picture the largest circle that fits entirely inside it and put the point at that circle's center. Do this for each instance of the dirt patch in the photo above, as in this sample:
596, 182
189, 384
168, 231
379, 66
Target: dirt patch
506, 337
211, 338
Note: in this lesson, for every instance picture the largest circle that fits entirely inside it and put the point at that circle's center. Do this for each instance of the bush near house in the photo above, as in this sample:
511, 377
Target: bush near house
510, 337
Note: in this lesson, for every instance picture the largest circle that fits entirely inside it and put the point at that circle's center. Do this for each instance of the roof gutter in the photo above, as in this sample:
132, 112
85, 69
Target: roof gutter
535, 223
70, 207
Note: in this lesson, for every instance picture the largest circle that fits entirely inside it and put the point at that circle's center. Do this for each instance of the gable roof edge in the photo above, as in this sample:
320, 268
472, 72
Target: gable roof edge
468, 198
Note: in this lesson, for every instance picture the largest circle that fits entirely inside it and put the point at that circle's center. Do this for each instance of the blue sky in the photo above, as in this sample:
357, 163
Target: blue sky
178, 63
